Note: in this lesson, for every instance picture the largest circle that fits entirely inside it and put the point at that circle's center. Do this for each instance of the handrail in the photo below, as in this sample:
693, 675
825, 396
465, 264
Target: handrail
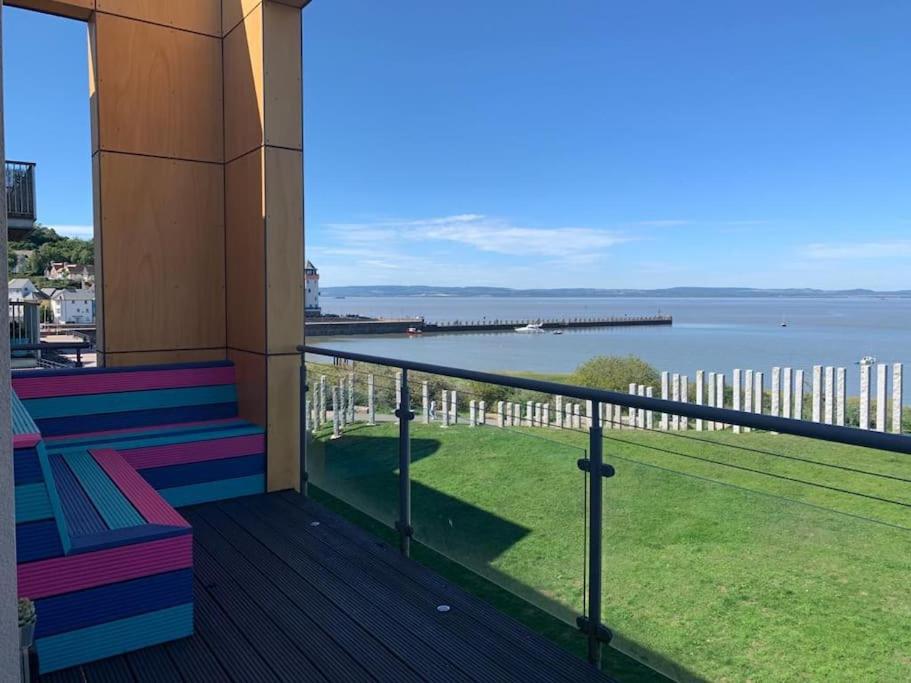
895, 443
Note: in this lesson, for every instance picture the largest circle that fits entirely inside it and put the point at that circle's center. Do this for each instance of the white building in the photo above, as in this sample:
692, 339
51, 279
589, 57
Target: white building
311, 286
22, 289
73, 306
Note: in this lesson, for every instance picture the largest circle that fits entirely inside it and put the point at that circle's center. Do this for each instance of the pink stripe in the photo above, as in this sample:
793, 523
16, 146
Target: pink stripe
26, 440
141, 430
105, 383
78, 572
196, 451
143, 497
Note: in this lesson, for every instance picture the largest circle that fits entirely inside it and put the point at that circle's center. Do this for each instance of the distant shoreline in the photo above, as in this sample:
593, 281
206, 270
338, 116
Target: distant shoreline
420, 292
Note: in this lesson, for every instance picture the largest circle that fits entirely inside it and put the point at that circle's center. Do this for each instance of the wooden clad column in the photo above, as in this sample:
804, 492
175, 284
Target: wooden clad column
264, 250
158, 158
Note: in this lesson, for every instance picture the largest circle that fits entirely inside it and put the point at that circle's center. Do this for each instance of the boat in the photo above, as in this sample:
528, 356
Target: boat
531, 327
867, 360
558, 331
413, 330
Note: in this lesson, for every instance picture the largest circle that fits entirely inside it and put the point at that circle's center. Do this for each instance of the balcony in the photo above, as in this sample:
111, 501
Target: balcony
21, 207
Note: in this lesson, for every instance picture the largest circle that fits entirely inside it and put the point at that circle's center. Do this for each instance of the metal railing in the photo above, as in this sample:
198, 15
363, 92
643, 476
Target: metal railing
55, 347
20, 190
592, 464
24, 323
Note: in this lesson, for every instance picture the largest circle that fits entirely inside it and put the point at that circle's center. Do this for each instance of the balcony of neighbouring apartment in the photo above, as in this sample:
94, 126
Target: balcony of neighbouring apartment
21, 207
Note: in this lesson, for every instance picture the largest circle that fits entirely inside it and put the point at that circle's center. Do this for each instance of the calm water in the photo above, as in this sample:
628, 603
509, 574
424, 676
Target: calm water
708, 334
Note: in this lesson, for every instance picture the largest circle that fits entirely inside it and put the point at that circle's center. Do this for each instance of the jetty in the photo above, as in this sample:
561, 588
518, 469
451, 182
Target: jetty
341, 326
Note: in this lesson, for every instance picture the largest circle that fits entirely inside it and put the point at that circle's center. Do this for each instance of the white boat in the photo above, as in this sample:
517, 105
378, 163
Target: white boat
531, 327
867, 360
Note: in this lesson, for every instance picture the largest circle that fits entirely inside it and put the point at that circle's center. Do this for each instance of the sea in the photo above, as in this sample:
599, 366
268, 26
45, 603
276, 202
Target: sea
711, 334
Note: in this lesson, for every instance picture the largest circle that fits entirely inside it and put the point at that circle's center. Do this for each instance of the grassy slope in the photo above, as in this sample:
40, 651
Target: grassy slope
724, 574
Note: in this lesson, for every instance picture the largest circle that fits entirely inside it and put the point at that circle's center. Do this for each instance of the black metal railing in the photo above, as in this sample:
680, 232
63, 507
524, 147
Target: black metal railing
24, 323
597, 425
55, 348
20, 190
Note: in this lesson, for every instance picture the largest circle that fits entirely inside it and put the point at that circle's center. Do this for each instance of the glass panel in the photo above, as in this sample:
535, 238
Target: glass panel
756, 556
505, 501
355, 460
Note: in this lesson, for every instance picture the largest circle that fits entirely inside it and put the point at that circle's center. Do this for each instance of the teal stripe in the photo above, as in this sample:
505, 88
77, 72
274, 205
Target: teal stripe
129, 444
113, 638
129, 401
54, 497
22, 421
32, 503
214, 490
146, 433
112, 505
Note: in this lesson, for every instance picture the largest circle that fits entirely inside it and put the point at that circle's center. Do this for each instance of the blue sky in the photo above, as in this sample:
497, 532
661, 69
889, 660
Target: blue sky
525, 143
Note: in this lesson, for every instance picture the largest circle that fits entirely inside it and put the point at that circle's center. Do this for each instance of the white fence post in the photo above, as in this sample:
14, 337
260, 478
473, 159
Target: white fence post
675, 396
817, 393
735, 381
787, 381
897, 389
444, 407
322, 399
472, 413
758, 387
700, 396
558, 411
371, 401
665, 395
425, 402
798, 394
501, 414
398, 391
863, 418
336, 418
841, 395
650, 415
454, 407
829, 413
881, 405
712, 389
719, 396
684, 398
776, 391
351, 407
482, 412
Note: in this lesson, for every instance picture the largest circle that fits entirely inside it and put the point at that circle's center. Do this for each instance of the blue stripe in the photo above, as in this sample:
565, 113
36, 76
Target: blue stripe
114, 638
37, 541
60, 426
215, 490
26, 468
130, 401
116, 511
207, 470
21, 420
131, 443
114, 538
81, 516
127, 437
116, 601
32, 503
132, 368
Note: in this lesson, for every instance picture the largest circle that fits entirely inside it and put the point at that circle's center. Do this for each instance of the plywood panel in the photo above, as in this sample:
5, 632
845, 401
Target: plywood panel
244, 105
233, 11
163, 228
251, 385
203, 16
99, 251
93, 86
159, 90
284, 250
245, 253
74, 9
282, 63
284, 420
117, 360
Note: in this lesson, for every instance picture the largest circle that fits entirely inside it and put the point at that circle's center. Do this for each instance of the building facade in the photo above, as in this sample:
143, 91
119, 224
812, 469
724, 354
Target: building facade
74, 306
311, 295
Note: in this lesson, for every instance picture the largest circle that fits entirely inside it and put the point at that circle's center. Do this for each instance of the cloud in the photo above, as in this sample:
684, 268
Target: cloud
85, 232
858, 250
486, 234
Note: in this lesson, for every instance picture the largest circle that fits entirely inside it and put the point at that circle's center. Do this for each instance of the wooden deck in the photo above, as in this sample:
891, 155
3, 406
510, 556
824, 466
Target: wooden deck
288, 591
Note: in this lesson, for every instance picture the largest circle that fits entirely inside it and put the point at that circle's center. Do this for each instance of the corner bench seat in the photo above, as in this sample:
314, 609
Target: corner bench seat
101, 458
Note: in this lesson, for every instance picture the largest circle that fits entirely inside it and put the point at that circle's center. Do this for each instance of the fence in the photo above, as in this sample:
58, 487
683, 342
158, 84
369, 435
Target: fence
704, 541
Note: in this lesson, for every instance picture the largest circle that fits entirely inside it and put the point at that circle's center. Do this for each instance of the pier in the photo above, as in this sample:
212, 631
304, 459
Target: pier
339, 327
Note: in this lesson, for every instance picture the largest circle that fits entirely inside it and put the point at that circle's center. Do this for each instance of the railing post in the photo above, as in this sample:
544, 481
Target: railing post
403, 412
304, 472
591, 625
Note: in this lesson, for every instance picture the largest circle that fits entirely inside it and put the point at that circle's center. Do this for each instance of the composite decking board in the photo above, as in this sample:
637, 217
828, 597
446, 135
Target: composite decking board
297, 623
232, 643
266, 633
153, 665
234, 650
468, 639
459, 651
366, 633
362, 547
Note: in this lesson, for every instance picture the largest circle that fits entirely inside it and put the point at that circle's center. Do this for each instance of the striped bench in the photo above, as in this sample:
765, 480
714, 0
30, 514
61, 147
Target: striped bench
177, 425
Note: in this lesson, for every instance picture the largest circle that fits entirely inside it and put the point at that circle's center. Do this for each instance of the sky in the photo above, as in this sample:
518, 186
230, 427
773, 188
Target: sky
590, 143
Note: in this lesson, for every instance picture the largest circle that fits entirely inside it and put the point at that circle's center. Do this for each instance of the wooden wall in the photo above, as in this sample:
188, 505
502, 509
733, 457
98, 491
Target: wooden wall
197, 161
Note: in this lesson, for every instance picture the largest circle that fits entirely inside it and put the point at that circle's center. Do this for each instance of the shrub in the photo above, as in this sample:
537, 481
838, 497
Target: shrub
614, 373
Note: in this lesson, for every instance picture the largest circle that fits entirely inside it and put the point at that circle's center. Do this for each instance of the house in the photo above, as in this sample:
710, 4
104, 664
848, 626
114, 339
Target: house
22, 289
73, 306
311, 296
59, 270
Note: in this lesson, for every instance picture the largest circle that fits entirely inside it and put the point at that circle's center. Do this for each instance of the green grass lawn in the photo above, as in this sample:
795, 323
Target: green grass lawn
712, 570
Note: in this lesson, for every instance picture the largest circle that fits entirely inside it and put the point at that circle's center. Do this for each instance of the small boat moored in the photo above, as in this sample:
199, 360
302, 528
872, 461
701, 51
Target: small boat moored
531, 327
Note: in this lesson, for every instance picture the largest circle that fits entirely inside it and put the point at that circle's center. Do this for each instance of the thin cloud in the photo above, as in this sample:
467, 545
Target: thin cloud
858, 250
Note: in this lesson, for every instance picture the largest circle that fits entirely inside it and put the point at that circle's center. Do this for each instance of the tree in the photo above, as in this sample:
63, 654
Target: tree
615, 373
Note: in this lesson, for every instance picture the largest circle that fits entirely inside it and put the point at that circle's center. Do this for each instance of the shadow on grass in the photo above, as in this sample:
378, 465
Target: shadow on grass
357, 476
